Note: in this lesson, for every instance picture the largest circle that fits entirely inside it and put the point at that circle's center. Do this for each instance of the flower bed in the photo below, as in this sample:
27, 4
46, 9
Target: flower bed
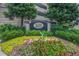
43, 48
8, 46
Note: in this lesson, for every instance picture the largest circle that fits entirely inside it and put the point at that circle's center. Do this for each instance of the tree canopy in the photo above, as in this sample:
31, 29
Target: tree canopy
63, 12
21, 10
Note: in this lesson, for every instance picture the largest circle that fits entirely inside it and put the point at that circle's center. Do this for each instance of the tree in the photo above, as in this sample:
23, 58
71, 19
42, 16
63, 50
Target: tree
63, 12
22, 11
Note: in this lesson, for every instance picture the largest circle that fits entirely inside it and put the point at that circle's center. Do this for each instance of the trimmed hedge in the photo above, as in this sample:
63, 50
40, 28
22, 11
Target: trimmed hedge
9, 27
58, 27
7, 35
38, 33
8, 31
73, 37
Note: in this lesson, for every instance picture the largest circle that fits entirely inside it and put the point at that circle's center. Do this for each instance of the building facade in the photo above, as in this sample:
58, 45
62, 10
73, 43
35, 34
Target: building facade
41, 10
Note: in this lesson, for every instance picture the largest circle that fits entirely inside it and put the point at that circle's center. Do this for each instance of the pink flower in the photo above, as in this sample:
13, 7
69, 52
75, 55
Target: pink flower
29, 41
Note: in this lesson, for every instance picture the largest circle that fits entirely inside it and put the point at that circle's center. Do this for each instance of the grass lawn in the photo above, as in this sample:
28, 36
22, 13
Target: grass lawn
8, 46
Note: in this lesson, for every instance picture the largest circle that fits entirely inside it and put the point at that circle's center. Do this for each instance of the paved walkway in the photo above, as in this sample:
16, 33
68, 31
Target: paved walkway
1, 53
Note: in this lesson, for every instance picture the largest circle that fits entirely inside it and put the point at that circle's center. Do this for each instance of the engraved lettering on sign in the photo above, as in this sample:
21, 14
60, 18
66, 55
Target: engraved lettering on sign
38, 25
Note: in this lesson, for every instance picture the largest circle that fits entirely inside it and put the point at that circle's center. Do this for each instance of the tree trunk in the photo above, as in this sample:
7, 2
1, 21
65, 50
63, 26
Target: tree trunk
22, 22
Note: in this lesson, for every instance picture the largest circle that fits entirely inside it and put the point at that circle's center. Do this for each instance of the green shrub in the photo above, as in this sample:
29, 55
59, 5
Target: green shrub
8, 31
68, 36
8, 27
58, 27
66, 33
38, 33
74, 31
45, 48
11, 34
32, 33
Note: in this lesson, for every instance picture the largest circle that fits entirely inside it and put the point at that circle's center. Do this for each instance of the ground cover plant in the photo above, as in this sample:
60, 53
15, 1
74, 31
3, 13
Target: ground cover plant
8, 46
44, 48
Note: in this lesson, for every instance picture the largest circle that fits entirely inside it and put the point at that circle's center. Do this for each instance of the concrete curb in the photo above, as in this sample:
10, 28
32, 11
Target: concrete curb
1, 53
